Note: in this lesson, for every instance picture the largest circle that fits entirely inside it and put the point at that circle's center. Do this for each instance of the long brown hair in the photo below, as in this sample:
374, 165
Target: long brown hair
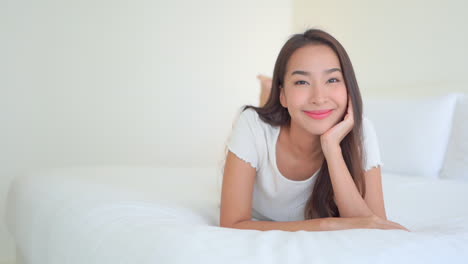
321, 203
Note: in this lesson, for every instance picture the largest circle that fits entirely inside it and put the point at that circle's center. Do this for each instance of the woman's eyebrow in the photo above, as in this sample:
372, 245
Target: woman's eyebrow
308, 73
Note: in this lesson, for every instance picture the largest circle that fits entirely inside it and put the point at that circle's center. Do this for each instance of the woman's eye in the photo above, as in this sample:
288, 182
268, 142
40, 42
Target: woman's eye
300, 82
333, 80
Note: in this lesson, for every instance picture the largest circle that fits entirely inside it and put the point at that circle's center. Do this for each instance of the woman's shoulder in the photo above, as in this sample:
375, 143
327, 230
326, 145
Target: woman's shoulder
252, 117
367, 126
249, 138
366, 121
370, 144
248, 112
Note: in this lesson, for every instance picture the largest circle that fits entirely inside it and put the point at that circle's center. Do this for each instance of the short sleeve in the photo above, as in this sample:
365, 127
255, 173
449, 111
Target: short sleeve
242, 140
371, 147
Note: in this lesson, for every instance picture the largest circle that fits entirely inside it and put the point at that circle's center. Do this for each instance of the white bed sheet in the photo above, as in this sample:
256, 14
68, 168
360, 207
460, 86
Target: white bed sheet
163, 215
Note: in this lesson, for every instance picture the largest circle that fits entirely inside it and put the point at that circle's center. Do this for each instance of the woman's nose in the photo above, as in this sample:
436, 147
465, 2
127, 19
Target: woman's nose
317, 95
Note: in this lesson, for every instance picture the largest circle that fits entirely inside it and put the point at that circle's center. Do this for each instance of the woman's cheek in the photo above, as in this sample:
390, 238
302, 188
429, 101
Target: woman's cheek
342, 94
341, 98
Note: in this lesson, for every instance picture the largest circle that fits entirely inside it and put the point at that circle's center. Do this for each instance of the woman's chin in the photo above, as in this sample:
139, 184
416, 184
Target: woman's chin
321, 128
318, 131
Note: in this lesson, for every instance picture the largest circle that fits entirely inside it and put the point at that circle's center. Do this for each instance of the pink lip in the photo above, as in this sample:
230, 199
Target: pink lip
319, 114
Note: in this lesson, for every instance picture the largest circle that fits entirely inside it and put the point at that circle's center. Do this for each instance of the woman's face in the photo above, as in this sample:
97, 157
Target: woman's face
314, 81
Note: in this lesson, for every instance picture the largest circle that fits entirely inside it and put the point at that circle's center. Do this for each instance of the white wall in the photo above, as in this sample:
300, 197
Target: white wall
398, 48
144, 83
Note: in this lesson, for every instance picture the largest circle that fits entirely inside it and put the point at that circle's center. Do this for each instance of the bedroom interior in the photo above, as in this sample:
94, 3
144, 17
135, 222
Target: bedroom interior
109, 132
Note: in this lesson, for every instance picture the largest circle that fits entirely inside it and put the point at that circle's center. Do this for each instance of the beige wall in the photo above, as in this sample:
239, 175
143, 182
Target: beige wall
141, 82
153, 83
398, 48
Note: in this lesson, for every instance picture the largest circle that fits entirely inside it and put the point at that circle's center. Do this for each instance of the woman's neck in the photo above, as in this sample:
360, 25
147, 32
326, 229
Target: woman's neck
302, 145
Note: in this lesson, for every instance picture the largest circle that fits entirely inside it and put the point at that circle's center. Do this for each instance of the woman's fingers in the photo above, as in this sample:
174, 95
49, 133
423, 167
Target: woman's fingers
387, 224
398, 226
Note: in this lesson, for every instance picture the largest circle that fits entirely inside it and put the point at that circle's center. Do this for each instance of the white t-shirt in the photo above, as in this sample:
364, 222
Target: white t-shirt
275, 197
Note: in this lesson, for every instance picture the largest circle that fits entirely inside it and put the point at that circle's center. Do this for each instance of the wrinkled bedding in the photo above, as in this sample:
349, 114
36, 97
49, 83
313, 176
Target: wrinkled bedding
171, 215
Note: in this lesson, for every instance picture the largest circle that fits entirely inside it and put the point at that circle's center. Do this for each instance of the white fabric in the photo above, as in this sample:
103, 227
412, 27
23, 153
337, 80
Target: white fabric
413, 133
114, 215
276, 197
456, 159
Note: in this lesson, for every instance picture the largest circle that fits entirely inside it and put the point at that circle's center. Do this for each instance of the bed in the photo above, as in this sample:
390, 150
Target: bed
117, 214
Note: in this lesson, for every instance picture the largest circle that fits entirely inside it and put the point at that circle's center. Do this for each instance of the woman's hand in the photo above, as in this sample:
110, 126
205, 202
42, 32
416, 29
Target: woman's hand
331, 139
376, 222
361, 222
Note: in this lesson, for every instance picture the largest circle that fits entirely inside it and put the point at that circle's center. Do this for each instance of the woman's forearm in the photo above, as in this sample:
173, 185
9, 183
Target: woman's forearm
318, 224
348, 199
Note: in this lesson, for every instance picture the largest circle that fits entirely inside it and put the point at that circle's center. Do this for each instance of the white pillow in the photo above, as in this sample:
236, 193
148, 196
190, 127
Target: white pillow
413, 133
456, 160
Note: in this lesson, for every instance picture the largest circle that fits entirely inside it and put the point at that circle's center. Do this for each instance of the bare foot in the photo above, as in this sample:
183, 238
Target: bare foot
265, 81
265, 84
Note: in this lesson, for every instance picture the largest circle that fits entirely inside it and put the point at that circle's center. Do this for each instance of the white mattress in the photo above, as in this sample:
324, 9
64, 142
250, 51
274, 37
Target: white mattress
160, 215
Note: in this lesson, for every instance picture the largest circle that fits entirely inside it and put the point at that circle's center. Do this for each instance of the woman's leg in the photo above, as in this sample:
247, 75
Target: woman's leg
265, 85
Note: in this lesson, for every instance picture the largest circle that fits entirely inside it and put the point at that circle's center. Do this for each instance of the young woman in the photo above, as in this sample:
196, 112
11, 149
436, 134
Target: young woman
306, 159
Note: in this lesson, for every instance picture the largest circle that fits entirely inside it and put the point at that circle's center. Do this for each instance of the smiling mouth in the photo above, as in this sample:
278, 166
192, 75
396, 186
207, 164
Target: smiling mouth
319, 114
